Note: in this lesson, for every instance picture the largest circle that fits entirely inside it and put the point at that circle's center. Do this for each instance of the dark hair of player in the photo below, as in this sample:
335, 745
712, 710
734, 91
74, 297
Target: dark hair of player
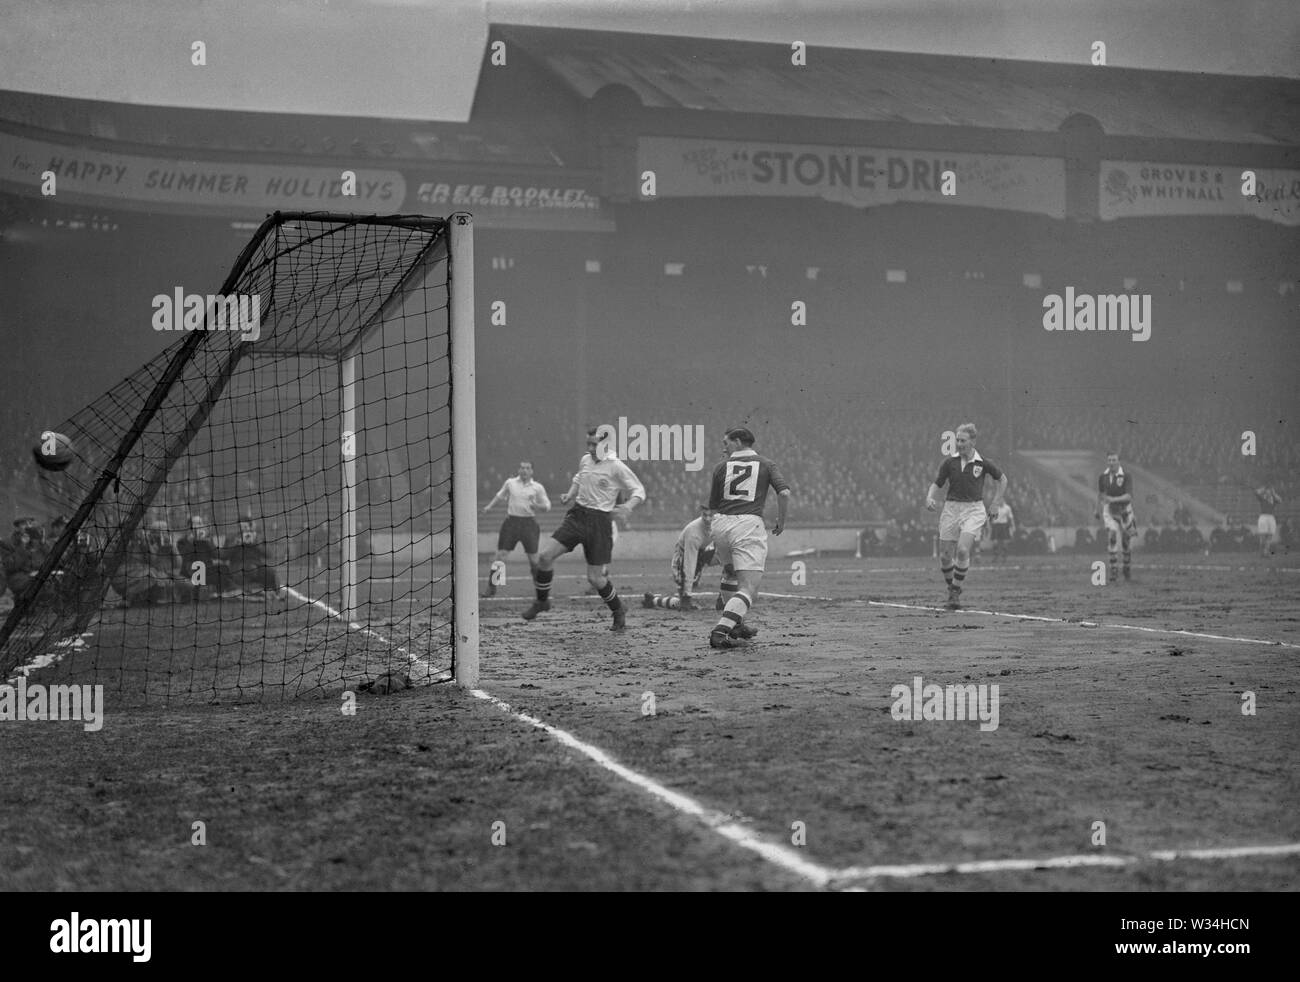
741, 434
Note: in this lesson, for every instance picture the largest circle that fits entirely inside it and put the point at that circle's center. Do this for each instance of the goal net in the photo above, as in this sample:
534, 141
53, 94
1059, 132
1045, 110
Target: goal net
268, 508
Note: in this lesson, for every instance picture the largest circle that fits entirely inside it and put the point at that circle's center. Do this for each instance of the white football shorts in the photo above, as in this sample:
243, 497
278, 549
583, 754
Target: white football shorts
1118, 524
962, 516
741, 542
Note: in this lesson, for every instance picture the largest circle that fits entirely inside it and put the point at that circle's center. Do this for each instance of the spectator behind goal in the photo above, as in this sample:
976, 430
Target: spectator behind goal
250, 573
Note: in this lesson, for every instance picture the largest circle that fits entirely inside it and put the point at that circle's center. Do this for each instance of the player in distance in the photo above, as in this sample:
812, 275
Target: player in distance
589, 523
737, 496
524, 497
1002, 529
1115, 509
964, 512
1266, 529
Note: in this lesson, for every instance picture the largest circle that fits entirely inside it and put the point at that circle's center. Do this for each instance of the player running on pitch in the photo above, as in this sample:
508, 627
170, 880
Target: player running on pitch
1115, 509
1266, 529
964, 513
589, 524
739, 491
694, 550
524, 497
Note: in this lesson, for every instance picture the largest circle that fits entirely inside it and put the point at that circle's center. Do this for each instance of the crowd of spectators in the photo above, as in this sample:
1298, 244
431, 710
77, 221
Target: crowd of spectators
845, 463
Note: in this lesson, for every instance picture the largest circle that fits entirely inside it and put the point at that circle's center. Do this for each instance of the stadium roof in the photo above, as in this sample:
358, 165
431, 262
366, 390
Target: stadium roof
669, 72
247, 133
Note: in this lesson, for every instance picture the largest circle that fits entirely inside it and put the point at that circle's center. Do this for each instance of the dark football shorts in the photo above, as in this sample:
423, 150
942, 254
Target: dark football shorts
517, 529
1001, 531
589, 528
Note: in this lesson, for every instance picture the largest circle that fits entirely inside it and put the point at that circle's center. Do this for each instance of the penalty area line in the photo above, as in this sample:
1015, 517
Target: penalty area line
1042, 619
1059, 862
724, 825
1097, 624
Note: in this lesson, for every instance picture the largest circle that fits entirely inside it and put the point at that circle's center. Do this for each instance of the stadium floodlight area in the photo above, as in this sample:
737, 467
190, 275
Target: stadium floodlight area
271, 507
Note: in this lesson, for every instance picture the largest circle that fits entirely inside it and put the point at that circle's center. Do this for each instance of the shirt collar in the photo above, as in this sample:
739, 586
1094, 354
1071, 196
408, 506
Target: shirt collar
745, 452
1118, 473
975, 458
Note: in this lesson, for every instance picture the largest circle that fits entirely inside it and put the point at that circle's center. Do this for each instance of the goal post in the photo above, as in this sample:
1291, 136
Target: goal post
464, 429
283, 504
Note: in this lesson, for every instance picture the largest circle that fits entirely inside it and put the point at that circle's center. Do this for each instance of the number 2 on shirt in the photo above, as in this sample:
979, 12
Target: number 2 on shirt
741, 482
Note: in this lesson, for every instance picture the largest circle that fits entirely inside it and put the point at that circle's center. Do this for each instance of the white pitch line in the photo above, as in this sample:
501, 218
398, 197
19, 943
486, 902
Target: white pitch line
1226, 852
354, 626
49, 658
724, 825
1098, 624
1048, 620
909, 870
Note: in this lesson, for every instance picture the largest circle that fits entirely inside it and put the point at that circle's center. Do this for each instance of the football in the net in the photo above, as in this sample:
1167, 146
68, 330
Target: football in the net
53, 451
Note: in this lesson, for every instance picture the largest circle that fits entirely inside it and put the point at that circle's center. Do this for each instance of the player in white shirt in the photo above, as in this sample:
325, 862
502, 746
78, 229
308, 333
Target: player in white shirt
524, 497
693, 551
1003, 523
589, 523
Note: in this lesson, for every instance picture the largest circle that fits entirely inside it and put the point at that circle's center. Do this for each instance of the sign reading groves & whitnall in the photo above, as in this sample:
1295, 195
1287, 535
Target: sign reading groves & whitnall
860, 176
249, 190
1138, 189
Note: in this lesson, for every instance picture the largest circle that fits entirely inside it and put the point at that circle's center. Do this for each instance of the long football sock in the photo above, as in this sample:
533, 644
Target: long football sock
735, 611
946, 569
727, 590
542, 582
610, 595
669, 600
1114, 565
959, 573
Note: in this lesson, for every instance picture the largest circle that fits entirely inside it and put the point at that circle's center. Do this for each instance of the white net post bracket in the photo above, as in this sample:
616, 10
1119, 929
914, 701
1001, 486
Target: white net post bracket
464, 478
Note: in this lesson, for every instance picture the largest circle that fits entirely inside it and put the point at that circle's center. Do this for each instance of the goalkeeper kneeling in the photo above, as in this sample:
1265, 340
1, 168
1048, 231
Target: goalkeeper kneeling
693, 551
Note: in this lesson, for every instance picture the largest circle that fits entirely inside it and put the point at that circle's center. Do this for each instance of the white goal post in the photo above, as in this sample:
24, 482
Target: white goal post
464, 483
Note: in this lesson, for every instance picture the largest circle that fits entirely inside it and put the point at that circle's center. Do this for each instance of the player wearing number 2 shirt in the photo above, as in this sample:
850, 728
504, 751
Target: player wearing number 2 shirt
738, 494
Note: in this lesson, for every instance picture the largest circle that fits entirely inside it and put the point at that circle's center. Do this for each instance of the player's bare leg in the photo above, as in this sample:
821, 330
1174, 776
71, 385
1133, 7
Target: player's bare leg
730, 630
545, 572
598, 577
946, 549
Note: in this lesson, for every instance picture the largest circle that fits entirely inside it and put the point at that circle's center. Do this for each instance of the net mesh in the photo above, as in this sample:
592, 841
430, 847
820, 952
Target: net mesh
198, 545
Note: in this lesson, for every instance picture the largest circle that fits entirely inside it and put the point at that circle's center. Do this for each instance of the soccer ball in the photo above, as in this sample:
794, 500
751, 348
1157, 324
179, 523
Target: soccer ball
53, 452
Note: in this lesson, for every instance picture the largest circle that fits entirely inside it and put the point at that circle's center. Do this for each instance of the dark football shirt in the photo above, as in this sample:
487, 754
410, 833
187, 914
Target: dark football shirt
1115, 485
966, 483
741, 481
